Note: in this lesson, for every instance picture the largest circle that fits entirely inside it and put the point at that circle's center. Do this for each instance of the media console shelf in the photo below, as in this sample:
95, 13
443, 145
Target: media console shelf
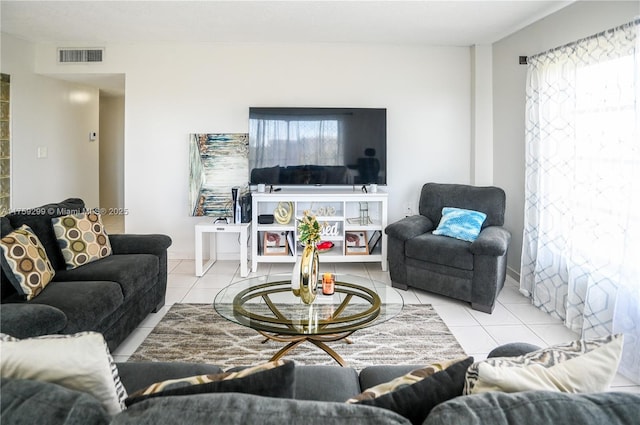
352, 220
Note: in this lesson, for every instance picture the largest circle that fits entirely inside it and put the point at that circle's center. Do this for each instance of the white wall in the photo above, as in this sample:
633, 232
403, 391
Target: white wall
111, 151
55, 115
481, 116
576, 21
176, 89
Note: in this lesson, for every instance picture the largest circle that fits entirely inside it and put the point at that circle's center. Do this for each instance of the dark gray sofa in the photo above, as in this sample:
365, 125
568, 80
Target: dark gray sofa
319, 395
469, 271
111, 296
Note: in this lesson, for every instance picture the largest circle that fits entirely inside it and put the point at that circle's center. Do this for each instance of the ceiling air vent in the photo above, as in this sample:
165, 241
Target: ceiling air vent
79, 55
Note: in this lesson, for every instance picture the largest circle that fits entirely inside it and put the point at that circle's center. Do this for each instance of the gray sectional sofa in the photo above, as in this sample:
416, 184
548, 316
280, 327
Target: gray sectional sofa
111, 295
318, 397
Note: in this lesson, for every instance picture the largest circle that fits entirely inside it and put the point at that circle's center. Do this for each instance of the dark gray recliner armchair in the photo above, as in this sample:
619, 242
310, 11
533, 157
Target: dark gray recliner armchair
469, 271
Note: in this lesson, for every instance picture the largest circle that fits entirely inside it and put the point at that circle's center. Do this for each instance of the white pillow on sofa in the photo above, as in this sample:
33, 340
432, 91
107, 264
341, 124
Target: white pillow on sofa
575, 367
80, 362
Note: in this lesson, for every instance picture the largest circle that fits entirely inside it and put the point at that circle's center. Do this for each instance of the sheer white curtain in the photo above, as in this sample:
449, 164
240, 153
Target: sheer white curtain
581, 241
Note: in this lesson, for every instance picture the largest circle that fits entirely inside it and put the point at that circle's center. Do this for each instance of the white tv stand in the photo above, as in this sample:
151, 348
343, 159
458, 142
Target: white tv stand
337, 209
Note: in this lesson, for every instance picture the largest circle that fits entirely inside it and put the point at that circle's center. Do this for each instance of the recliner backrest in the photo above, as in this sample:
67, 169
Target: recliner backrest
490, 200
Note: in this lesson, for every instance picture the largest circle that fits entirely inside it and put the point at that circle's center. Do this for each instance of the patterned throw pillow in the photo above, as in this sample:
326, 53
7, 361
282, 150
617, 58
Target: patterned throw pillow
402, 381
80, 362
82, 238
25, 262
416, 401
460, 223
575, 367
271, 379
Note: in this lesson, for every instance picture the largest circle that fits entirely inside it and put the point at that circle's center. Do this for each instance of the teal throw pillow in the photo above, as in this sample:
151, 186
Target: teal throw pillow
460, 223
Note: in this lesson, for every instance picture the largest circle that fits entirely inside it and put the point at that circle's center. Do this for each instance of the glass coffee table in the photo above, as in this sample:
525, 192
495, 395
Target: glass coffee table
267, 304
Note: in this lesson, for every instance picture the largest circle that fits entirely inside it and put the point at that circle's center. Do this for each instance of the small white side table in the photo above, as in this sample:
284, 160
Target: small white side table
211, 229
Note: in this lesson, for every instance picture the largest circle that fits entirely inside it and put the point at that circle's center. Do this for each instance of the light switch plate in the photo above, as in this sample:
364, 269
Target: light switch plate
42, 152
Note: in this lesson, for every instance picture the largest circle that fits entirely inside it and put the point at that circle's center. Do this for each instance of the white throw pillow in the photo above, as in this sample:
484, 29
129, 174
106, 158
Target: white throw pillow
80, 362
577, 367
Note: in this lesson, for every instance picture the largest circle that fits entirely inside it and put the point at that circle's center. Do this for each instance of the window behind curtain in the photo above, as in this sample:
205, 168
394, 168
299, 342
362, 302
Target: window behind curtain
582, 187
605, 155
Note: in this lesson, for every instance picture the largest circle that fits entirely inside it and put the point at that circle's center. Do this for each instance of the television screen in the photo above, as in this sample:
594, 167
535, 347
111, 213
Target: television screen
317, 146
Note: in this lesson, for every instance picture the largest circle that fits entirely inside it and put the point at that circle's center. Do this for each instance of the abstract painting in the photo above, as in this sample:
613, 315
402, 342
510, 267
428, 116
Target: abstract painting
218, 162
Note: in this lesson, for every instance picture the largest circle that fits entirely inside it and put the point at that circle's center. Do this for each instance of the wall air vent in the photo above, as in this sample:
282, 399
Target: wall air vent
66, 55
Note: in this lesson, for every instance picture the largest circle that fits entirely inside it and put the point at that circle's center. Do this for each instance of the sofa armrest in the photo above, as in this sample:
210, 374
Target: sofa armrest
409, 227
492, 240
139, 244
512, 349
24, 320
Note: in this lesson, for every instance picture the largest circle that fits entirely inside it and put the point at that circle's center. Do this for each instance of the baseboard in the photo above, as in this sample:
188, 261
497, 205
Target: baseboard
513, 274
176, 255
223, 256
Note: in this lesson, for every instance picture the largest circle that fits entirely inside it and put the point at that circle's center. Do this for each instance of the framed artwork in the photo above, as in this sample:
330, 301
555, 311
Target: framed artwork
275, 243
217, 163
356, 243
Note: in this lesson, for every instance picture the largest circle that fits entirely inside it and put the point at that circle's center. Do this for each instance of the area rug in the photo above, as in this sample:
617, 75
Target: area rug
196, 333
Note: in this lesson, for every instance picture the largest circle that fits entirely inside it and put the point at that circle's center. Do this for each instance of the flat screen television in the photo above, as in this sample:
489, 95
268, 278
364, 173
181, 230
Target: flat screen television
317, 146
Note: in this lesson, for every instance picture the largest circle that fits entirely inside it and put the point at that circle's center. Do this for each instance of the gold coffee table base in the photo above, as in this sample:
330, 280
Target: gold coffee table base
317, 340
271, 309
339, 326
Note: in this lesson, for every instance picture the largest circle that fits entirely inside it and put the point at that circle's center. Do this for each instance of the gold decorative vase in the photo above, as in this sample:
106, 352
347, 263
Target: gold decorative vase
309, 266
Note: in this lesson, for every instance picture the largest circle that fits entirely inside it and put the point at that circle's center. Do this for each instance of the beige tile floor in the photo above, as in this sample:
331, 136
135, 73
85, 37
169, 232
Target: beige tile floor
513, 320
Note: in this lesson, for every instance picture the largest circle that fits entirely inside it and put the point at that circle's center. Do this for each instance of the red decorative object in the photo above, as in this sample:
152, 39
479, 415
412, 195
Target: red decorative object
324, 246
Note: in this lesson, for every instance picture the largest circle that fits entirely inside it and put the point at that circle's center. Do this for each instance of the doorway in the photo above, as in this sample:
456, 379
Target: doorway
111, 162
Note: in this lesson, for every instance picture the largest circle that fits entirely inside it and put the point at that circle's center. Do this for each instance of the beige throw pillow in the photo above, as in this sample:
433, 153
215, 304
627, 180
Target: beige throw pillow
82, 238
25, 262
577, 367
80, 362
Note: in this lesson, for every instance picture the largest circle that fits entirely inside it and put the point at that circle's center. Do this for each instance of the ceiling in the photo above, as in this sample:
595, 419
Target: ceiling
86, 23
449, 23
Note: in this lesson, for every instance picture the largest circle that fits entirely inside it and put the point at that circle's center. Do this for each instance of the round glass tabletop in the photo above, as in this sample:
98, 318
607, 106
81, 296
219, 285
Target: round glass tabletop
268, 304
